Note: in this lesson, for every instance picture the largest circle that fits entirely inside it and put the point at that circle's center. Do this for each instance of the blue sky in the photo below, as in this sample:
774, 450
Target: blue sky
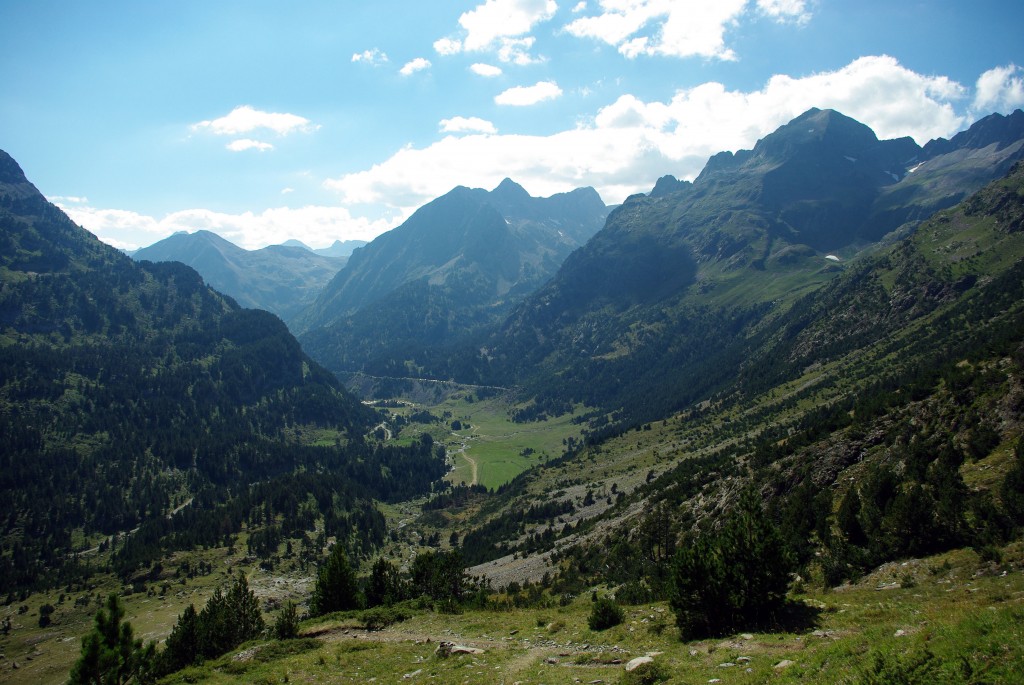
323, 120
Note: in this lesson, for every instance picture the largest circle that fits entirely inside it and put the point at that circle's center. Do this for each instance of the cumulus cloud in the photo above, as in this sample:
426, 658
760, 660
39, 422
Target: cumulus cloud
523, 96
485, 70
999, 90
243, 144
447, 46
373, 57
625, 146
501, 26
496, 19
313, 225
676, 29
467, 125
412, 66
246, 119
517, 51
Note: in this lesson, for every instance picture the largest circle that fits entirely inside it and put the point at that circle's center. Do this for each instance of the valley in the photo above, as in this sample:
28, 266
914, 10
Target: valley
765, 426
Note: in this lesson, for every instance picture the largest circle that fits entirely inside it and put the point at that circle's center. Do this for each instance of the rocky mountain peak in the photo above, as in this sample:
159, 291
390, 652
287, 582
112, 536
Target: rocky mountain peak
824, 129
510, 191
995, 128
10, 171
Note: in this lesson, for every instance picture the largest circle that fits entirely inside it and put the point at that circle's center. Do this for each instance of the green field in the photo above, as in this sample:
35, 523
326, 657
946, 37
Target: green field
500, 448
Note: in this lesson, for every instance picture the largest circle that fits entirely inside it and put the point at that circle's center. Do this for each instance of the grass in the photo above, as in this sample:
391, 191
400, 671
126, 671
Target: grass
501, 448
951, 615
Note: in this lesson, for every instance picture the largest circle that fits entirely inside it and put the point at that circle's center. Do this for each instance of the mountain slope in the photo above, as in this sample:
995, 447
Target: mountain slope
459, 263
282, 279
667, 292
126, 388
898, 382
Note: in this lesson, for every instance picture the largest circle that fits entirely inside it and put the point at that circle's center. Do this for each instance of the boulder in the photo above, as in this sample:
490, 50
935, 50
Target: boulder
636, 663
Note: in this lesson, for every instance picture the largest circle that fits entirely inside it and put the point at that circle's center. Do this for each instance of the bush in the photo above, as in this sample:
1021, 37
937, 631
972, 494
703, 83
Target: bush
646, 674
381, 617
605, 614
286, 627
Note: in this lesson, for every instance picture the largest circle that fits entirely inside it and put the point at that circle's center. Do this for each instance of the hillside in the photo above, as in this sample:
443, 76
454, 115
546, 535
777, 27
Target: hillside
905, 368
874, 421
458, 264
880, 421
131, 390
281, 279
670, 293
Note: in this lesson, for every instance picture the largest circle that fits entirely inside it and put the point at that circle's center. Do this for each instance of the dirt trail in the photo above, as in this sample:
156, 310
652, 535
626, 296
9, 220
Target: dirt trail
464, 451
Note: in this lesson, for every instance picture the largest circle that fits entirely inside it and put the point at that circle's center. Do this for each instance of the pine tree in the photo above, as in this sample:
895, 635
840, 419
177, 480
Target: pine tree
286, 627
1012, 490
214, 627
110, 653
386, 586
181, 648
848, 521
246, 621
738, 575
336, 587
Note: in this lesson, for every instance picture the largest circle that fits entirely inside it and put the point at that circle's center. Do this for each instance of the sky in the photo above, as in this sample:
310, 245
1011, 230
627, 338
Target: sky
324, 120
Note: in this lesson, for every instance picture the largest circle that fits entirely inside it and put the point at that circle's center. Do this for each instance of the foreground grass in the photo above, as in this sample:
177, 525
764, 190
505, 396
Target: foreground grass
953, 618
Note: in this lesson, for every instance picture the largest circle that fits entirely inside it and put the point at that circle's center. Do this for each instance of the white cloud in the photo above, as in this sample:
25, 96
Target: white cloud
243, 144
523, 96
447, 46
412, 66
245, 119
785, 10
501, 26
517, 51
467, 125
999, 90
628, 144
373, 57
313, 225
581, 6
677, 29
496, 19
287, 191
68, 199
485, 70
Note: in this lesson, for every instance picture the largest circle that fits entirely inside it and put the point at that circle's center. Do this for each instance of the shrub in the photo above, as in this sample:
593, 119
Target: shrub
286, 626
605, 614
380, 618
646, 674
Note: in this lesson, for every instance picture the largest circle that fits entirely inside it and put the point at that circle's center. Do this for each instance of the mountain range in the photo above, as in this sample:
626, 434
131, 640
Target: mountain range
669, 291
830, 323
457, 265
282, 279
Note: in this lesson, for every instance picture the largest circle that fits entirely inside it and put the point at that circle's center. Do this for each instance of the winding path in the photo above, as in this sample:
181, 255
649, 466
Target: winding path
463, 450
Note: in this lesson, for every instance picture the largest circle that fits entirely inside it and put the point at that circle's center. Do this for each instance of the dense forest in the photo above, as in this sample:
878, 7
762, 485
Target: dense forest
131, 391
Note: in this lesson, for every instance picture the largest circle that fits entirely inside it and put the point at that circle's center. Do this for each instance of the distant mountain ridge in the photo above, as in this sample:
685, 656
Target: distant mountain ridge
458, 263
281, 279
